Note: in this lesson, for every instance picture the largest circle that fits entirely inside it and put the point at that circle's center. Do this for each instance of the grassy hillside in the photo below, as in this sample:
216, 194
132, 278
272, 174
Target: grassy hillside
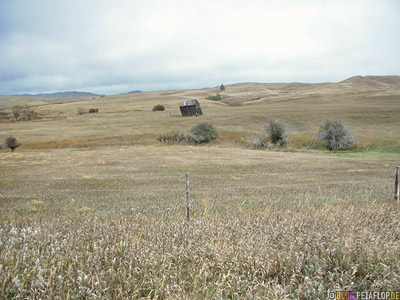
371, 112
93, 207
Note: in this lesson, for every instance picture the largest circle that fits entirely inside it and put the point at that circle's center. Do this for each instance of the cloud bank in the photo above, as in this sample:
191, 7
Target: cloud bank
117, 46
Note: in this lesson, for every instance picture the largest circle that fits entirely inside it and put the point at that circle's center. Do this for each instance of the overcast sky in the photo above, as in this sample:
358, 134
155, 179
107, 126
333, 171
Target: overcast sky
118, 46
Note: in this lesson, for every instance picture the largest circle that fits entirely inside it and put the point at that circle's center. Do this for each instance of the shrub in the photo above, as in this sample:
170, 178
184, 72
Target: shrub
201, 133
277, 131
159, 107
82, 111
28, 115
204, 133
93, 110
12, 143
17, 110
222, 87
172, 137
261, 143
215, 98
336, 135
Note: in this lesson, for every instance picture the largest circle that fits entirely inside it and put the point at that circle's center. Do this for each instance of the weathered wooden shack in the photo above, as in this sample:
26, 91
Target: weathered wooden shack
191, 108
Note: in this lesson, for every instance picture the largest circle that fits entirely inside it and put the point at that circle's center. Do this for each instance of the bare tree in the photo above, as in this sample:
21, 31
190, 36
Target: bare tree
12, 143
336, 135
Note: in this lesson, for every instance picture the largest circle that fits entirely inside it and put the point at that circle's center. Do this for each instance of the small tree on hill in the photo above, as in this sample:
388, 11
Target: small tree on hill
277, 131
222, 87
12, 143
336, 135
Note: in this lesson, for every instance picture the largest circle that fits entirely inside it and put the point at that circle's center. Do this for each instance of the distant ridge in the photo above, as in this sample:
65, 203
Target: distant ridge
61, 95
132, 92
369, 82
70, 94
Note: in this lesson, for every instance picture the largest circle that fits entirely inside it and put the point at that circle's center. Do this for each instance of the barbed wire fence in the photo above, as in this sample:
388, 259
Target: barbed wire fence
142, 185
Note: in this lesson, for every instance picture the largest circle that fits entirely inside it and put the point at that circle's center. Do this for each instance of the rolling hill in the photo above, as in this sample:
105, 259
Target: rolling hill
370, 105
61, 95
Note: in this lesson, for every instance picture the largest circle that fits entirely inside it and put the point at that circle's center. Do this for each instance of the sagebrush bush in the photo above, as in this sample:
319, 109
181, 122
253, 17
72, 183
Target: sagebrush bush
277, 130
261, 143
201, 133
172, 137
336, 135
159, 107
12, 143
215, 98
204, 133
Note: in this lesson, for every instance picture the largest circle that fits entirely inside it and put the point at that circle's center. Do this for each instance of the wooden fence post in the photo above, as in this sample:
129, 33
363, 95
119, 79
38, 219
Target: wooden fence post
187, 198
396, 185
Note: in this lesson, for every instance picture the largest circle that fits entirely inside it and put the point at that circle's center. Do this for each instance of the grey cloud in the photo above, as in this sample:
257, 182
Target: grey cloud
103, 47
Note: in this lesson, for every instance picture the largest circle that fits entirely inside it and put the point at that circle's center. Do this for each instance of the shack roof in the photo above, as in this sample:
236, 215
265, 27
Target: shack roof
191, 102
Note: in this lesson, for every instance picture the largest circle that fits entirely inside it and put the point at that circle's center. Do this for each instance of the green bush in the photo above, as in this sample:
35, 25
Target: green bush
172, 137
204, 133
159, 107
201, 133
336, 135
215, 98
277, 130
12, 143
222, 87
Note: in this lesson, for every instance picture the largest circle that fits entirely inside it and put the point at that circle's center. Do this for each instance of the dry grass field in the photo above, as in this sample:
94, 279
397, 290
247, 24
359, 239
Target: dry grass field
93, 207
371, 112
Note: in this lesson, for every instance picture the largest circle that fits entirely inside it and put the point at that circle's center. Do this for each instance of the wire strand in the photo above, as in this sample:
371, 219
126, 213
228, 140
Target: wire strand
196, 175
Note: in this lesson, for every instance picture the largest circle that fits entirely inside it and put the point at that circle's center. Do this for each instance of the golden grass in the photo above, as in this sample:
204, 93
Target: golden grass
92, 142
110, 224
93, 207
372, 115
